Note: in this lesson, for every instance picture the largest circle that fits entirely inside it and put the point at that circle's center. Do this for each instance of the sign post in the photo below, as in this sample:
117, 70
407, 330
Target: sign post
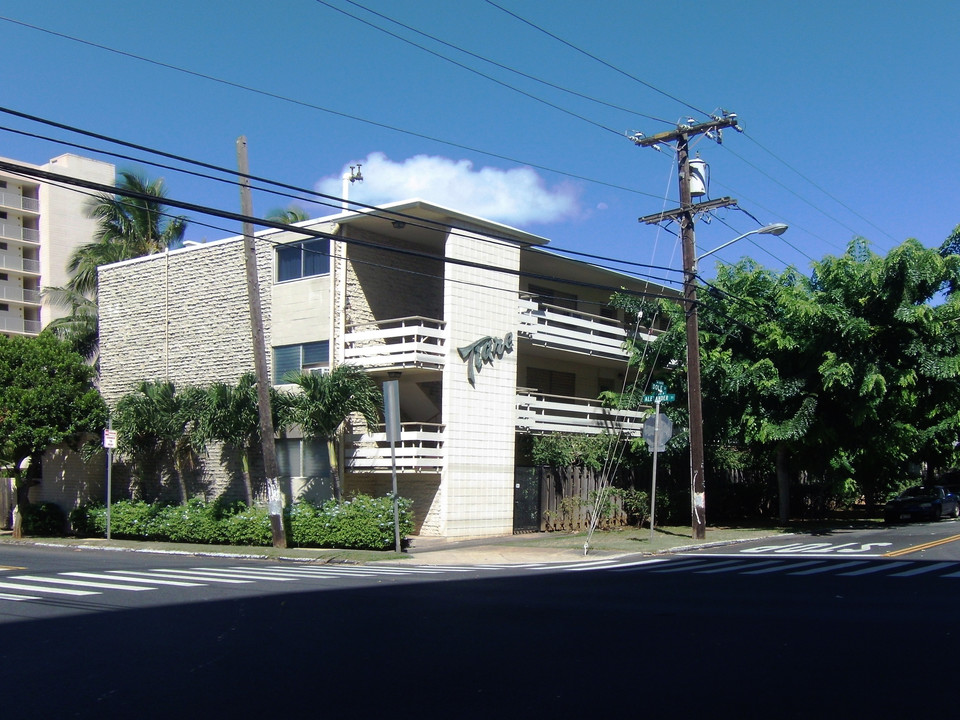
109, 442
391, 418
657, 431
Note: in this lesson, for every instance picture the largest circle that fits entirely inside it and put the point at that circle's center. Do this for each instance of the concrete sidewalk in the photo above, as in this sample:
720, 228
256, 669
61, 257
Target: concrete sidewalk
504, 550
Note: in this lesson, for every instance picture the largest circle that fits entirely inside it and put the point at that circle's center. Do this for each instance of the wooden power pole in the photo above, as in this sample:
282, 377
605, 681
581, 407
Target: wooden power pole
267, 443
684, 216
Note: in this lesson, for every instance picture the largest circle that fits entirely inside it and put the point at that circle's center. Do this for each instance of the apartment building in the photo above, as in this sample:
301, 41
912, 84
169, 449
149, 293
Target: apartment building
490, 336
40, 225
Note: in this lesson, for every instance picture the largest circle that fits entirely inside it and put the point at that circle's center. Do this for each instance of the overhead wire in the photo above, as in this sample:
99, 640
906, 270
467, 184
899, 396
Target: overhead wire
470, 69
596, 58
376, 211
302, 103
477, 56
44, 175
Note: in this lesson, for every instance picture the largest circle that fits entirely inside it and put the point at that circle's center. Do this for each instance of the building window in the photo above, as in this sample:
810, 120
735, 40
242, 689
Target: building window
4, 307
557, 298
303, 259
4, 277
307, 457
552, 382
290, 359
3, 246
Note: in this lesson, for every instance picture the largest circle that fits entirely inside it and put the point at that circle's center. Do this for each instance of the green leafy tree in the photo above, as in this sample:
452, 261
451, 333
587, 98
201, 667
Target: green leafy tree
232, 416
290, 215
46, 398
846, 377
157, 424
326, 401
127, 228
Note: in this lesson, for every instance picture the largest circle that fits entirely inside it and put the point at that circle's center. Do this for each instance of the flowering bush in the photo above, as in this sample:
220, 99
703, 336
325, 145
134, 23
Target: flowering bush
361, 522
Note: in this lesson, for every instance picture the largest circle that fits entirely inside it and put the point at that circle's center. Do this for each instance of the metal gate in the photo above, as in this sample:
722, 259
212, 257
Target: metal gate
526, 500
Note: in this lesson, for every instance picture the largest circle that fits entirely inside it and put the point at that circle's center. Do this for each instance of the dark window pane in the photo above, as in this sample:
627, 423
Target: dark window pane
288, 457
316, 261
316, 458
316, 353
288, 263
286, 360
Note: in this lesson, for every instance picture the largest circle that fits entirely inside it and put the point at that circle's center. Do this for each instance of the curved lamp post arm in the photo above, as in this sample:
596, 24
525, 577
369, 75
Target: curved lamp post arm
772, 229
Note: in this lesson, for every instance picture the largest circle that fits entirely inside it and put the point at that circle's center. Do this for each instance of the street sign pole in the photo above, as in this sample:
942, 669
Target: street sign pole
110, 442
656, 447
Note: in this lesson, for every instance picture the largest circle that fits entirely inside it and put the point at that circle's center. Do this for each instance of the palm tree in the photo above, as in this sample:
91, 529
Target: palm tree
325, 403
79, 328
155, 423
232, 416
289, 215
127, 227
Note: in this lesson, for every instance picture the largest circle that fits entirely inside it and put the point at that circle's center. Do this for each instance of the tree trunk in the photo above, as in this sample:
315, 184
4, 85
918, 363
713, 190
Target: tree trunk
334, 469
783, 484
247, 482
21, 498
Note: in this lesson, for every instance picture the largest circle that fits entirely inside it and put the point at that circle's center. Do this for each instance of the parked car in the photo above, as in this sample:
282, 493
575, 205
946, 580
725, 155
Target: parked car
924, 502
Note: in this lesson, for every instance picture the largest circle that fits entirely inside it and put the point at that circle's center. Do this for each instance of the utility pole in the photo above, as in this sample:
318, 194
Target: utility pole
267, 444
684, 216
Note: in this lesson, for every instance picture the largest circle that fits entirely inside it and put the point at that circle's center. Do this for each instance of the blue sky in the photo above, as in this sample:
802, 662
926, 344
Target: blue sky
849, 109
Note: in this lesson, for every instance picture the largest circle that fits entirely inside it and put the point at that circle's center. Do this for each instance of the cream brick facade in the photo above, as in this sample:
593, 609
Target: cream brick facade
401, 299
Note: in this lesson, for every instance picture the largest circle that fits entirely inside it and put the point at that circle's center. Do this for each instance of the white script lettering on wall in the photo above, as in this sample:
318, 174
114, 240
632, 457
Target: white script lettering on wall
483, 351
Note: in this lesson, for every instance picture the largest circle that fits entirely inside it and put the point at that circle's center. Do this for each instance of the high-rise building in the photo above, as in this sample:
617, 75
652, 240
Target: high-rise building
40, 226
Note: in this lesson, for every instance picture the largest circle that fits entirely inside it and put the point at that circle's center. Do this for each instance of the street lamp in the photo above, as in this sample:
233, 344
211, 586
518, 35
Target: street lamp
771, 229
690, 261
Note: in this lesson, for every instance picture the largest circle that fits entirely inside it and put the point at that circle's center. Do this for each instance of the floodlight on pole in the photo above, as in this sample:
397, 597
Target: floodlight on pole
771, 229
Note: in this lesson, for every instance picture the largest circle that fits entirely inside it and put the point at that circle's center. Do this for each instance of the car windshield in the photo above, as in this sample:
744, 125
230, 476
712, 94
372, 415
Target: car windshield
916, 492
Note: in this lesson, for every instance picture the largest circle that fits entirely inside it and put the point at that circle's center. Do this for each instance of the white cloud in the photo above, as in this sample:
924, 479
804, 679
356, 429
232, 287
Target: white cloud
517, 196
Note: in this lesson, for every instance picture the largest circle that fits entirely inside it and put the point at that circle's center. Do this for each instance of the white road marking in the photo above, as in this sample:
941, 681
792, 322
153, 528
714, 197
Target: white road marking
54, 591
81, 583
924, 569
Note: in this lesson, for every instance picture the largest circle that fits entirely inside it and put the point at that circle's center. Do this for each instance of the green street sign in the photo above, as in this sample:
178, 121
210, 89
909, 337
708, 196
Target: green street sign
669, 397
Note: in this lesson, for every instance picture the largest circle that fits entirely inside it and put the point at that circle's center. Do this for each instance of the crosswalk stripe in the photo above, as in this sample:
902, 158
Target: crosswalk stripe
82, 583
695, 566
243, 575
726, 568
829, 568
189, 575
881, 567
53, 591
17, 598
923, 569
135, 576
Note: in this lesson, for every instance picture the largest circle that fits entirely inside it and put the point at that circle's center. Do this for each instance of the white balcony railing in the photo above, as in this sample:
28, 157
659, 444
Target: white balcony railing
18, 264
420, 450
559, 328
19, 326
15, 231
19, 202
19, 295
397, 343
540, 413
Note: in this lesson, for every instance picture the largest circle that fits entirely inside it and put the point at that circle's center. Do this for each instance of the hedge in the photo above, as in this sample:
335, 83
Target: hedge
362, 522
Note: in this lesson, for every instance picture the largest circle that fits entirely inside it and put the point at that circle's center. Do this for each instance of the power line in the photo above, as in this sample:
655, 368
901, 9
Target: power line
483, 59
386, 214
473, 70
302, 103
38, 174
597, 59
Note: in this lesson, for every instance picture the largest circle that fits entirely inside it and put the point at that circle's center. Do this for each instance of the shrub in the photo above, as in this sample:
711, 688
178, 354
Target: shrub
362, 522
45, 519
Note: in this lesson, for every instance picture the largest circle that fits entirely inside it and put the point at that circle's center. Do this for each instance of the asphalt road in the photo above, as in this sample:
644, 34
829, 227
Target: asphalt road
792, 634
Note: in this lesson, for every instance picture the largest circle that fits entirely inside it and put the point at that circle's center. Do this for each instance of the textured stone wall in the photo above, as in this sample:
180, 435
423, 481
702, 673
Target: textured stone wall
183, 316
383, 285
